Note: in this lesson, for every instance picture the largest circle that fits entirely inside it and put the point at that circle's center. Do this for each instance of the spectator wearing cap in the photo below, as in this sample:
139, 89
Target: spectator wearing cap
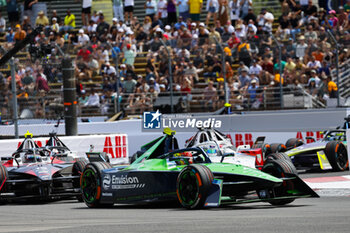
19, 34
129, 55
12, 12
265, 19
255, 68
244, 79
252, 94
128, 10
109, 70
86, 12
54, 26
212, 9
83, 39
41, 20
118, 10
10, 35
69, 21
332, 20
162, 11
315, 78
300, 48
183, 9
195, 8
102, 27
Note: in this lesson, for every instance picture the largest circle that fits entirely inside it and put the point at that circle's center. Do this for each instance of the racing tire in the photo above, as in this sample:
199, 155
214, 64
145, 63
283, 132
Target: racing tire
90, 184
279, 168
77, 170
282, 155
265, 149
135, 156
3, 177
294, 142
277, 147
193, 185
337, 155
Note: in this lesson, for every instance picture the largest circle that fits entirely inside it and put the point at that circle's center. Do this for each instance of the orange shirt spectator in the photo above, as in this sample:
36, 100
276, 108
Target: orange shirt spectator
19, 34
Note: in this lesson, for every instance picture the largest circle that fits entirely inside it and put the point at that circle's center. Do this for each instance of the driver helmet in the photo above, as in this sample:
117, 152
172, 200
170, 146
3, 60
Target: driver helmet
211, 150
32, 158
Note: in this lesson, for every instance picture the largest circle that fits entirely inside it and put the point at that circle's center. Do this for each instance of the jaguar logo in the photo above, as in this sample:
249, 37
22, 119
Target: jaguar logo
106, 181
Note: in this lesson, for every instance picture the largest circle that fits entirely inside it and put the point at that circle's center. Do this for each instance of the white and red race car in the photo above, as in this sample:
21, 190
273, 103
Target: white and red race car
220, 148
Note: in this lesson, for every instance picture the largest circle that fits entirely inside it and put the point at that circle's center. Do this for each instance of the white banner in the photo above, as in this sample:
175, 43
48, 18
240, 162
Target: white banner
116, 145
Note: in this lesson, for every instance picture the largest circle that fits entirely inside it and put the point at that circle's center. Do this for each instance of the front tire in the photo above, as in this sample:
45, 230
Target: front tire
337, 155
193, 184
90, 184
280, 168
3, 177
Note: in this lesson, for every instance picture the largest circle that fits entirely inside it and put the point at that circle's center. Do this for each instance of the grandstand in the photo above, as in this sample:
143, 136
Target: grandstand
191, 92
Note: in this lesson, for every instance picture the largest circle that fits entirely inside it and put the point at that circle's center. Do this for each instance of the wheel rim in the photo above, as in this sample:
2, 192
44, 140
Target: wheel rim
89, 185
341, 157
188, 188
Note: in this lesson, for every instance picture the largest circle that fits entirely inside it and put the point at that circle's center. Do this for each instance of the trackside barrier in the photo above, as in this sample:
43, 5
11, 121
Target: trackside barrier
116, 145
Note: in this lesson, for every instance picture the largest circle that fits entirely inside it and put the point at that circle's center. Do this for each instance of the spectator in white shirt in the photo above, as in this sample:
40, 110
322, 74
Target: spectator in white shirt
255, 68
83, 39
93, 100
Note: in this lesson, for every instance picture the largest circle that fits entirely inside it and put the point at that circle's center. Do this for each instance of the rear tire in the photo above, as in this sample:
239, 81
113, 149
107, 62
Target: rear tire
265, 149
3, 177
193, 184
277, 147
90, 184
294, 142
279, 168
337, 155
77, 170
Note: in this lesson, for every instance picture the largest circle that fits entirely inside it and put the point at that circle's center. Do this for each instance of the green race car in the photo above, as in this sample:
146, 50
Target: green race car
187, 176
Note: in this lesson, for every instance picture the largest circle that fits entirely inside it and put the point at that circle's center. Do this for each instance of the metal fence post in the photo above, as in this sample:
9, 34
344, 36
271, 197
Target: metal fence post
14, 96
69, 97
336, 62
280, 68
170, 75
223, 55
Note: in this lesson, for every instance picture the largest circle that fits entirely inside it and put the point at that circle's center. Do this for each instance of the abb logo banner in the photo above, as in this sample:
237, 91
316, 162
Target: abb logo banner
116, 146
273, 137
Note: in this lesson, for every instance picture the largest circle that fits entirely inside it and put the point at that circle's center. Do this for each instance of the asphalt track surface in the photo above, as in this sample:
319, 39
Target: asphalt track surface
325, 214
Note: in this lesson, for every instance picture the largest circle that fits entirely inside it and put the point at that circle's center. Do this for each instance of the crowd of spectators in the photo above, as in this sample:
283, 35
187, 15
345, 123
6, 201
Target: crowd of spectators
244, 35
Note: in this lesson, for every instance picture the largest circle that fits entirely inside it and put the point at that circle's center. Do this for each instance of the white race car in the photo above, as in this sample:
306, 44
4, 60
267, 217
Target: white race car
220, 148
